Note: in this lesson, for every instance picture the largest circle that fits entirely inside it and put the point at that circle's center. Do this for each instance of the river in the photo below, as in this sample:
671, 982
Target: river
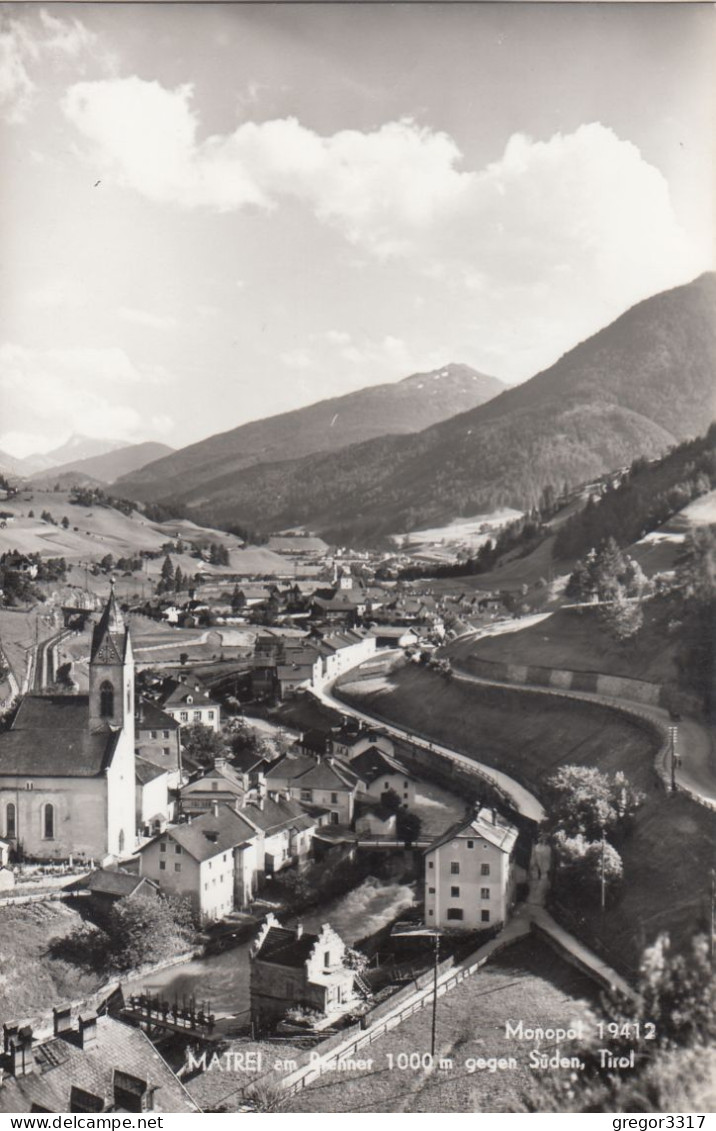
223, 979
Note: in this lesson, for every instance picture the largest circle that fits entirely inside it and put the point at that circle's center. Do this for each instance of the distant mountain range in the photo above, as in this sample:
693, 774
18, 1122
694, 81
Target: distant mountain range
403, 407
76, 448
638, 386
105, 467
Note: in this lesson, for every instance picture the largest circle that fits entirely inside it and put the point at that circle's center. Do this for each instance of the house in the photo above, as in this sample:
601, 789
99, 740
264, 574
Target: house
329, 784
97, 1064
348, 742
373, 820
195, 860
157, 739
291, 968
343, 650
286, 832
107, 888
381, 772
187, 700
394, 636
252, 768
153, 805
221, 783
67, 763
469, 873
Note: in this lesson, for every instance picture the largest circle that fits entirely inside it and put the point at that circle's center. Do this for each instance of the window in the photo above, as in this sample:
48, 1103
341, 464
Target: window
306, 795
430, 864
106, 700
211, 716
177, 867
214, 786
165, 734
197, 716
177, 849
327, 958
10, 821
163, 846
166, 751
387, 785
48, 822
334, 799
454, 893
184, 716
471, 844
334, 818
431, 912
405, 785
431, 891
454, 868
485, 916
484, 869
120, 840
162, 865
454, 912
189, 699
154, 734
29, 785
484, 893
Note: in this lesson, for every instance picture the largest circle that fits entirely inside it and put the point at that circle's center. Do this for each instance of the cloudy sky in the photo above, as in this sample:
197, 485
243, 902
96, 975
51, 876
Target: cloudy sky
211, 213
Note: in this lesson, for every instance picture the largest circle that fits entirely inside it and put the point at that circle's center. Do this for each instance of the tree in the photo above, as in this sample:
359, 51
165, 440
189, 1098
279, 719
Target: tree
582, 801
202, 744
147, 929
178, 580
65, 522
107, 563
408, 826
238, 600
583, 865
166, 578
622, 616
390, 801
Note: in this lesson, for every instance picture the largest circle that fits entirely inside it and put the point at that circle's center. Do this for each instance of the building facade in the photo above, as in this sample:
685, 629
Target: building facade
469, 874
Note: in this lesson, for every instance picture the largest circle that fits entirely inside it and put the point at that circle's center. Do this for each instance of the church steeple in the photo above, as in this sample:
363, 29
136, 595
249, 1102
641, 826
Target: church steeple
111, 670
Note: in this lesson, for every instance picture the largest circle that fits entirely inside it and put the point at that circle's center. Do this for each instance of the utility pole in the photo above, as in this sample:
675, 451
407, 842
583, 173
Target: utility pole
674, 757
436, 961
603, 882
712, 916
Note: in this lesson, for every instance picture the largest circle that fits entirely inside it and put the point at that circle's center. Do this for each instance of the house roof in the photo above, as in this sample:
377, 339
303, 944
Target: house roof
487, 824
374, 763
282, 947
31, 747
327, 775
176, 693
145, 771
247, 760
105, 882
150, 716
226, 775
61, 1065
289, 766
282, 813
211, 834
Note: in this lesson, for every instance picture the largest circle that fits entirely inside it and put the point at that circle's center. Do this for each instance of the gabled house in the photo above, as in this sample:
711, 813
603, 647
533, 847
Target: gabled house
290, 968
286, 832
221, 783
187, 700
327, 783
381, 772
195, 860
157, 738
470, 873
154, 807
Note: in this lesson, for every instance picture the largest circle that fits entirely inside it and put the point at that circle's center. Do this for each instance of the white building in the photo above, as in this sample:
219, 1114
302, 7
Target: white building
469, 873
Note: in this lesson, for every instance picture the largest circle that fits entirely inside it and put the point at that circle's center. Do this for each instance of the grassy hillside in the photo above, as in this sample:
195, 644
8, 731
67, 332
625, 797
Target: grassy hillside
604, 403
398, 408
667, 859
575, 640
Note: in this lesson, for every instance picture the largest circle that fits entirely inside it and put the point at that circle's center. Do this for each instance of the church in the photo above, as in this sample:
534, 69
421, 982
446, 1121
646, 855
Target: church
67, 773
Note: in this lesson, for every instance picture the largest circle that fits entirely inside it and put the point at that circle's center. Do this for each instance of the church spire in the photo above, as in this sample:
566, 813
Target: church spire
109, 635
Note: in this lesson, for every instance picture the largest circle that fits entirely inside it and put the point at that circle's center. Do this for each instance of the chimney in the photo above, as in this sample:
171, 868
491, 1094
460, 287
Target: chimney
299, 930
260, 803
62, 1018
215, 808
494, 816
219, 762
22, 1061
88, 1029
8, 1032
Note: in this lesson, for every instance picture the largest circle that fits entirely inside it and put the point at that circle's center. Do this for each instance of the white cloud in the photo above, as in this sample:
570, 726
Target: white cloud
146, 318
30, 42
297, 359
73, 390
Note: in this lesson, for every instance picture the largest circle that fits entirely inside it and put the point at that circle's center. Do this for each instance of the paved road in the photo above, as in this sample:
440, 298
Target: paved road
524, 801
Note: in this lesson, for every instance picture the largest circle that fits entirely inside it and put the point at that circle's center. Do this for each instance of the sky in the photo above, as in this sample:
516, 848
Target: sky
213, 213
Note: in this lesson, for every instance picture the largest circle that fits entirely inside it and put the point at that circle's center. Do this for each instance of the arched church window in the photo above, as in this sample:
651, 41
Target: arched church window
48, 821
121, 840
10, 821
106, 700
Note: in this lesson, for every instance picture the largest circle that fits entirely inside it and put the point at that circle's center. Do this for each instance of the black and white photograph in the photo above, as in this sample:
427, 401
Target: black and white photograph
357, 561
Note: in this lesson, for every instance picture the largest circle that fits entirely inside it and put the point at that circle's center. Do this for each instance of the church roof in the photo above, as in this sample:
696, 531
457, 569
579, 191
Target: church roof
31, 747
109, 638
